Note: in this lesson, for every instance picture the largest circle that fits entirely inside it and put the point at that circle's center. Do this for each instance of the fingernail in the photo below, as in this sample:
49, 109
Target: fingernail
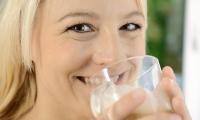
168, 68
175, 117
171, 70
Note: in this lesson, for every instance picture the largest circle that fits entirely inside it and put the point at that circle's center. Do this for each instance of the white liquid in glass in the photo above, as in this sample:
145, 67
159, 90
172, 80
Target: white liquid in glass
105, 95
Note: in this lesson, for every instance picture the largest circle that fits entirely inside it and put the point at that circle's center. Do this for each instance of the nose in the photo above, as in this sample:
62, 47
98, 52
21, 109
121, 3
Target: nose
108, 49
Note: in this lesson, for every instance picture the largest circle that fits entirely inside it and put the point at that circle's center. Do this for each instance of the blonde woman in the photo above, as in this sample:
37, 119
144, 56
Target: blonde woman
49, 47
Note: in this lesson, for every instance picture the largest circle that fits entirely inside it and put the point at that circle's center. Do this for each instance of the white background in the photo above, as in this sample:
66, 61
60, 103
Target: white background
191, 64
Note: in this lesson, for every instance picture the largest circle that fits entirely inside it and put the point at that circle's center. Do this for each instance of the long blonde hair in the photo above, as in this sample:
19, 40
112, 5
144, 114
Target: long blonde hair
17, 79
18, 88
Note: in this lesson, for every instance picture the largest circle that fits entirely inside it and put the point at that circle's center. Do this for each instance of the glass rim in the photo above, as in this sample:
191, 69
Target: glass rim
123, 60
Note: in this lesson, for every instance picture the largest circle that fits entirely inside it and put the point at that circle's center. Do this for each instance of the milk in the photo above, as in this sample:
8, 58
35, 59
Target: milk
156, 101
103, 98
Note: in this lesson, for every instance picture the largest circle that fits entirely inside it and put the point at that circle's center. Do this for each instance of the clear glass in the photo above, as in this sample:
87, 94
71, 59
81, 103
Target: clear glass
119, 78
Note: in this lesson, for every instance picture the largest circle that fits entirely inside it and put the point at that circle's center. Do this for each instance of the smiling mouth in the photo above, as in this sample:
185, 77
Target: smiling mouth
116, 79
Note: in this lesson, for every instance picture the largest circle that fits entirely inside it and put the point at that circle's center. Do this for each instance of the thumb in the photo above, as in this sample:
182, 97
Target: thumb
126, 105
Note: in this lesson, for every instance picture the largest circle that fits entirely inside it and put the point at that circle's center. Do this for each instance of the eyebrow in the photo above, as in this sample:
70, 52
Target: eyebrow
134, 13
95, 16
79, 14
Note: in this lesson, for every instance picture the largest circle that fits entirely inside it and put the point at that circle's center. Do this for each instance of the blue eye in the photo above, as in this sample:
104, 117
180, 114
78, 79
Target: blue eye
130, 27
81, 28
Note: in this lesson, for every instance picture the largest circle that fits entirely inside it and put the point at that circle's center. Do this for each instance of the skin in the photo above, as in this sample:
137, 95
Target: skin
61, 52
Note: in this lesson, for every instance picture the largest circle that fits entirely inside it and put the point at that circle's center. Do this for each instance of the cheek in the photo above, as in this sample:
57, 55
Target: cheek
136, 47
65, 57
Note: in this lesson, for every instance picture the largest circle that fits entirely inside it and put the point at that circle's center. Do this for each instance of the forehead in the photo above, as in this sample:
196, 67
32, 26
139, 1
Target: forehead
100, 7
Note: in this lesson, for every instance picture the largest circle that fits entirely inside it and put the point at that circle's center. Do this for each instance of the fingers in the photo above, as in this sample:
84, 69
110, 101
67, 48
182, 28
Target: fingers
168, 83
168, 72
180, 108
126, 105
172, 89
162, 116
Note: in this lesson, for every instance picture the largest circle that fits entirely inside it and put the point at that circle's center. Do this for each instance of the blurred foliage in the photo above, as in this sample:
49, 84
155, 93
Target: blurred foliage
165, 33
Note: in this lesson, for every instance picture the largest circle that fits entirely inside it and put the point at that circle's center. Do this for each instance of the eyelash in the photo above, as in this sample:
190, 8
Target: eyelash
73, 27
92, 29
136, 27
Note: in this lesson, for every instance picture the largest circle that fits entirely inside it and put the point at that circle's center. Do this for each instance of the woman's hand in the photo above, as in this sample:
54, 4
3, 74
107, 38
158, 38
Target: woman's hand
125, 106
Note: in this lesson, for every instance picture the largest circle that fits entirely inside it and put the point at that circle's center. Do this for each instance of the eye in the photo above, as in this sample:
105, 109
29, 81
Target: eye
81, 28
130, 27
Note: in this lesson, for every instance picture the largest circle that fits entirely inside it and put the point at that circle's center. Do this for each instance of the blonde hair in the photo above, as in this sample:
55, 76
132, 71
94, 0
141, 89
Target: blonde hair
17, 82
18, 88
143, 7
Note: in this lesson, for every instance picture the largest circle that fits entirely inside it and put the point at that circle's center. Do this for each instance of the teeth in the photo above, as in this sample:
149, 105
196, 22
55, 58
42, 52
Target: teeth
86, 79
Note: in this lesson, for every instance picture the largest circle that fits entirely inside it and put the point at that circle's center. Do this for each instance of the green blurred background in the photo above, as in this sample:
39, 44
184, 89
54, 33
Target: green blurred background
165, 33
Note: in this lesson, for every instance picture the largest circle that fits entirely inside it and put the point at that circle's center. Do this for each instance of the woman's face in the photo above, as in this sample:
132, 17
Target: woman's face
74, 38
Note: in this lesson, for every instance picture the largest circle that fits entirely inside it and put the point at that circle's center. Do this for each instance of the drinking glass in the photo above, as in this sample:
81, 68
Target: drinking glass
117, 79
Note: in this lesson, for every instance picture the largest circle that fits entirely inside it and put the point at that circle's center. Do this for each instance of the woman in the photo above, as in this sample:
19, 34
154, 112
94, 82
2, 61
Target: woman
49, 48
